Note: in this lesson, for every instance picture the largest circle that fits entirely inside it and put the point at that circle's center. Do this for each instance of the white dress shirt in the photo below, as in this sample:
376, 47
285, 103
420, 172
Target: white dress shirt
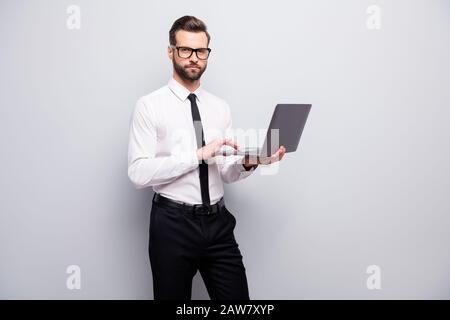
162, 150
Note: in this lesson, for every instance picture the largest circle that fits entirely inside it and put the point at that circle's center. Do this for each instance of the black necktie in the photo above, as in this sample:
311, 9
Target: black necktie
203, 166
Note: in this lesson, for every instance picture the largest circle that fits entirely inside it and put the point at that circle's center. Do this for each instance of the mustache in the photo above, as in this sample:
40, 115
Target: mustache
193, 66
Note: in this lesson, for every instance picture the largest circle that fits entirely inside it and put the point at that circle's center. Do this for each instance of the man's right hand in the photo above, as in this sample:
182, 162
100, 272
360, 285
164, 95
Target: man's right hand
212, 149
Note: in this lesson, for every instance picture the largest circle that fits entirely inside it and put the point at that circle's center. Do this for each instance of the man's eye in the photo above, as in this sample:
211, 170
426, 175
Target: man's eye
185, 50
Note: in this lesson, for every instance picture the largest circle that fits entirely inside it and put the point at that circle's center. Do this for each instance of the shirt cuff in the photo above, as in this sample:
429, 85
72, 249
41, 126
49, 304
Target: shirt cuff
188, 160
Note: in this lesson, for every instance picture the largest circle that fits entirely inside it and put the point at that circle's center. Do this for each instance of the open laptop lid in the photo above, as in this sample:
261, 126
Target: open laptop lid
286, 128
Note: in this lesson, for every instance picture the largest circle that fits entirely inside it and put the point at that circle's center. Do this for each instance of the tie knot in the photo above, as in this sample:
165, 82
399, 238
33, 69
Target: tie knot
192, 97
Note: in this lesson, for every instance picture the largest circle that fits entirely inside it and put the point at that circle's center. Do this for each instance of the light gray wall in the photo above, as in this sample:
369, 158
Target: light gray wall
369, 184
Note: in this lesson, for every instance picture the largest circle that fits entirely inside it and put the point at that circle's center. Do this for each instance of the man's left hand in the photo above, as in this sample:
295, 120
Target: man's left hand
250, 161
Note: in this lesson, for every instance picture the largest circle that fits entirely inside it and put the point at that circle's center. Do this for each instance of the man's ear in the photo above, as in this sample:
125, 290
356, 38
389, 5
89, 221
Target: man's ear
170, 52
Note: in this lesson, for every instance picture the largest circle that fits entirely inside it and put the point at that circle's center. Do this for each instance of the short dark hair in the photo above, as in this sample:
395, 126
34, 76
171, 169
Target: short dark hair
187, 23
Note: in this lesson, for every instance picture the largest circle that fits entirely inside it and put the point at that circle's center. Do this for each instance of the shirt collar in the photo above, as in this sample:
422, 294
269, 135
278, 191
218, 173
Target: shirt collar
181, 92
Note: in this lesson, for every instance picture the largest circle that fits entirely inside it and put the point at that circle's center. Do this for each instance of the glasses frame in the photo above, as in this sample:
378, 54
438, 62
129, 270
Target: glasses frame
192, 51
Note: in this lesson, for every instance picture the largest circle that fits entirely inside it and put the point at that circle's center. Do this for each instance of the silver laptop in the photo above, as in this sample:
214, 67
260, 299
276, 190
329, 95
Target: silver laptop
285, 129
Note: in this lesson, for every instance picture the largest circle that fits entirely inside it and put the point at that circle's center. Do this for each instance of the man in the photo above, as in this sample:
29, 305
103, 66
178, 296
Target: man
176, 133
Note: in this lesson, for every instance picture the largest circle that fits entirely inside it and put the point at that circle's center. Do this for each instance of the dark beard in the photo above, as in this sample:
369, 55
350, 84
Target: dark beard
185, 75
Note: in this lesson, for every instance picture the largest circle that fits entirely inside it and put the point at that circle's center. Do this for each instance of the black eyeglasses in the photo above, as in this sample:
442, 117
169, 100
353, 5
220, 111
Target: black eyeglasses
186, 52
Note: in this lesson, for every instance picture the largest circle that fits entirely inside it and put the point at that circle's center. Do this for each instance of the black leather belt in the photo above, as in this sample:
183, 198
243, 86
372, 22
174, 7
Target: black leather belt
191, 208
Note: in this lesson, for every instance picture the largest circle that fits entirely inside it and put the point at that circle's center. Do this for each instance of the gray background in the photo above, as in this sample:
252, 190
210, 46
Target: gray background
368, 185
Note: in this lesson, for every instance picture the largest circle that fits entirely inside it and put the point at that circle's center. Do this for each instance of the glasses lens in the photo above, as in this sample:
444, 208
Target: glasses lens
202, 53
184, 52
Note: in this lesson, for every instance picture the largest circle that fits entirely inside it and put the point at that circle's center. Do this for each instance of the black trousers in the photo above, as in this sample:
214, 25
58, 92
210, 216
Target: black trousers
182, 243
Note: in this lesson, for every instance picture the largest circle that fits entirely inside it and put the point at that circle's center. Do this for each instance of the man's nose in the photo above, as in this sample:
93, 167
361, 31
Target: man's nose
194, 57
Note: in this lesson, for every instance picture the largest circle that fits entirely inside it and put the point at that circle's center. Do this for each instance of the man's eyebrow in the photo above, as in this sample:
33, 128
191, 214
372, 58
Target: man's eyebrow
192, 47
